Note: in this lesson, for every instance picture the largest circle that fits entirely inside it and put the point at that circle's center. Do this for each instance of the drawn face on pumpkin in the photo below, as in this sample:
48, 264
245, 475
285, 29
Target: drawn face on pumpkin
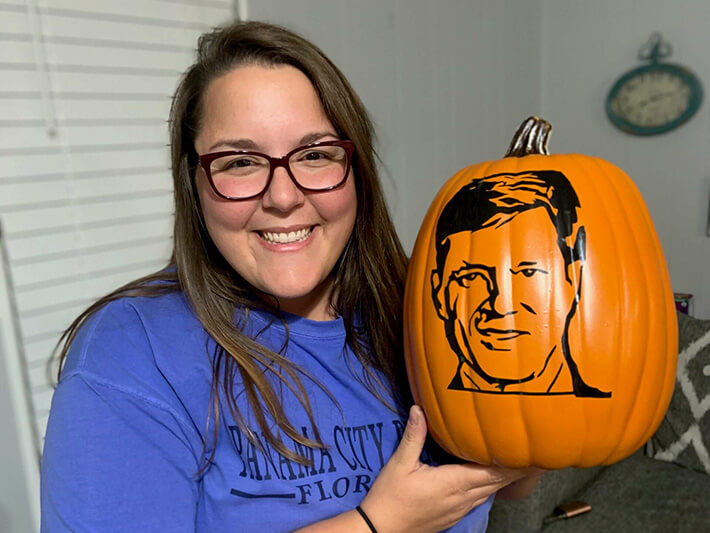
509, 270
508, 314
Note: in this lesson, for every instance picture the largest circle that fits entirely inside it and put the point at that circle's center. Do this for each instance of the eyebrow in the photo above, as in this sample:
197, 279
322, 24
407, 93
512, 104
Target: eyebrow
526, 263
248, 144
468, 267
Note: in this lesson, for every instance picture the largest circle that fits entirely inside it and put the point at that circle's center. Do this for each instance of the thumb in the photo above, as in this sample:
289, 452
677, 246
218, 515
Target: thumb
410, 447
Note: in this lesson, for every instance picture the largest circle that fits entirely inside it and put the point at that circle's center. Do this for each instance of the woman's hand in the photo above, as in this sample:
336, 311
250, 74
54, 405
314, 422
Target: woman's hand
411, 496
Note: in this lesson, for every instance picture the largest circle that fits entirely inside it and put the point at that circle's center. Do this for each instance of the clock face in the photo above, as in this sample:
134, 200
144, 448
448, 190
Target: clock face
654, 99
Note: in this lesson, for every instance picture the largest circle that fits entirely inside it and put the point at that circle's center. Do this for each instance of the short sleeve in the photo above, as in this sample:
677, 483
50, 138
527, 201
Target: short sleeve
120, 451
114, 461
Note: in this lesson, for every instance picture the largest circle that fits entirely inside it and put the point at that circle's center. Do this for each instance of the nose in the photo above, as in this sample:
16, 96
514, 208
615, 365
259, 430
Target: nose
282, 194
501, 301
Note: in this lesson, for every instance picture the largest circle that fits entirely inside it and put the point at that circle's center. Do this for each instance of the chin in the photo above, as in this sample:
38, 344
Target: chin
285, 293
510, 370
295, 290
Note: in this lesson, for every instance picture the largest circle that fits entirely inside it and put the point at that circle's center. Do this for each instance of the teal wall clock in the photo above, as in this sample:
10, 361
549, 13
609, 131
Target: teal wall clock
654, 98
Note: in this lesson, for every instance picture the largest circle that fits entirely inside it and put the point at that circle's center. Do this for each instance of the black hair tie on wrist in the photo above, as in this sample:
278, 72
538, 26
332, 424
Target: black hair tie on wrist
366, 519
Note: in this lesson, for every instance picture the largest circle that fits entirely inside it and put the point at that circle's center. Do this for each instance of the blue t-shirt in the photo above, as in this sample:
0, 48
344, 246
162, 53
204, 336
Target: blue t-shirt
128, 425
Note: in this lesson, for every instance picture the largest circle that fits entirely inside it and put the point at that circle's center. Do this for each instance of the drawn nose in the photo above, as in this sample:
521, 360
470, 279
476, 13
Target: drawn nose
501, 301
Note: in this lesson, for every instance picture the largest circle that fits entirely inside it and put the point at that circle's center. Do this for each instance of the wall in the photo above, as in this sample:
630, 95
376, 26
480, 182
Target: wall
457, 77
585, 47
447, 82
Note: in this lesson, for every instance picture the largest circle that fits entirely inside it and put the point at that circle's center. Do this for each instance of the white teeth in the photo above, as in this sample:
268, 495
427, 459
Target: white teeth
286, 238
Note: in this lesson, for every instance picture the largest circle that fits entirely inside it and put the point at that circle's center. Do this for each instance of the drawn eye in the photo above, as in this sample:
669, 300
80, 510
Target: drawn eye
466, 279
528, 272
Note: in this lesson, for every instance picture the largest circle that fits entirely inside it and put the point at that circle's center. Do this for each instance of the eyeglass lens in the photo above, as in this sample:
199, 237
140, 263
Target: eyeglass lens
243, 175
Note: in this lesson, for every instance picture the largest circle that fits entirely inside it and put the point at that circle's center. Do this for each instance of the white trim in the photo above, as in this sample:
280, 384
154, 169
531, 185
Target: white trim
242, 10
10, 348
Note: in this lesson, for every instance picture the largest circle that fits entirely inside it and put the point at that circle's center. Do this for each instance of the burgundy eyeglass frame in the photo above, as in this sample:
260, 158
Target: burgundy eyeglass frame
276, 162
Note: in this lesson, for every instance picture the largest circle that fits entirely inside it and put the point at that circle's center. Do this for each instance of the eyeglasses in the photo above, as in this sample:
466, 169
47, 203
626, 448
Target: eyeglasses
241, 175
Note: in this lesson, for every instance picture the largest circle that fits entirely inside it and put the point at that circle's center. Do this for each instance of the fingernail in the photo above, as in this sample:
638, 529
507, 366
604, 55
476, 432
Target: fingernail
414, 414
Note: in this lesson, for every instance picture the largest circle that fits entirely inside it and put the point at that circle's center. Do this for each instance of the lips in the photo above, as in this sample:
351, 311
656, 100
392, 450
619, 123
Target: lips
286, 235
478, 323
502, 334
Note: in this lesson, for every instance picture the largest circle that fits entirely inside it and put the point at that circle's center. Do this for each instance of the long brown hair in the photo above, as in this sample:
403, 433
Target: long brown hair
369, 275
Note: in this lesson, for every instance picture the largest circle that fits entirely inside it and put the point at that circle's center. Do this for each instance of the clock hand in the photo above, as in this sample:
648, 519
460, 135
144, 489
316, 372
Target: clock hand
655, 98
660, 95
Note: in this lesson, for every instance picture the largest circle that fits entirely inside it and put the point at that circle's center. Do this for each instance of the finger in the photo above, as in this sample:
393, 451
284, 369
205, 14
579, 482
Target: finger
475, 476
410, 447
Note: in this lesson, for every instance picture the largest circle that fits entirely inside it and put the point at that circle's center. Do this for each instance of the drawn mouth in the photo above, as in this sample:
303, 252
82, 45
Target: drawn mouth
501, 335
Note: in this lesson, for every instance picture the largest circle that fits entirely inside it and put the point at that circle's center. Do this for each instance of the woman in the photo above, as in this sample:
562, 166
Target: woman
257, 383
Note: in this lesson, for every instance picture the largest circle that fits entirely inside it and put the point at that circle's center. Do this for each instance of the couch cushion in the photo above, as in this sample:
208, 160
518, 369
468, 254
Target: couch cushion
526, 515
641, 494
684, 434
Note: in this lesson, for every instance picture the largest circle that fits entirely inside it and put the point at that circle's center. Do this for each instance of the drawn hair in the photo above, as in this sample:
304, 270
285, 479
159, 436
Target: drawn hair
495, 200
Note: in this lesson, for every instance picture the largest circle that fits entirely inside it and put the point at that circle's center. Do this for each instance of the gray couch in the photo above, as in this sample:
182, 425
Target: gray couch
640, 493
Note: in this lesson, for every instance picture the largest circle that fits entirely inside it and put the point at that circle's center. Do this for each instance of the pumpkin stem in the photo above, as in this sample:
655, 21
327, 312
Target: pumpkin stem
531, 138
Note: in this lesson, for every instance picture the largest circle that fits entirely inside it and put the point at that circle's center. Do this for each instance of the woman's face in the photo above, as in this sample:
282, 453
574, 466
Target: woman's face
274, 110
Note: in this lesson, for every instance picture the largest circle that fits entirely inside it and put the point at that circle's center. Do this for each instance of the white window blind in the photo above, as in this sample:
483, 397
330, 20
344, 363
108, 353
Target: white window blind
85, 187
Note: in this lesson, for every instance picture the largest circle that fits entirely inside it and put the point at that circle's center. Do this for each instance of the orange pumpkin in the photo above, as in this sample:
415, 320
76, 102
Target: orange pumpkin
540, 327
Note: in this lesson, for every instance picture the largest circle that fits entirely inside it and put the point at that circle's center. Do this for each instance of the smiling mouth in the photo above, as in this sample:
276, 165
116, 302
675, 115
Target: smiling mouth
502, 334
286, 238
494, 339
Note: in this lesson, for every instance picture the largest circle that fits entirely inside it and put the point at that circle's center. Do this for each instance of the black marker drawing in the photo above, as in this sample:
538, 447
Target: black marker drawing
507, 316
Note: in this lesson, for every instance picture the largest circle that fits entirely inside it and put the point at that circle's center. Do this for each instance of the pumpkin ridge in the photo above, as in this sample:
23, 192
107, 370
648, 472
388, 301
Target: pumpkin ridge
600, 444
654, 270
669, 321
645, 335
484, 169
588, 444
612, 440
669, 372
418, 274
582, 448
584, 407
621, 442
427, 367
521, 414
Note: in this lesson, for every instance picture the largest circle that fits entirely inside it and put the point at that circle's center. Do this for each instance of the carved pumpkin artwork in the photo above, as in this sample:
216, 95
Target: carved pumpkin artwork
540, 327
